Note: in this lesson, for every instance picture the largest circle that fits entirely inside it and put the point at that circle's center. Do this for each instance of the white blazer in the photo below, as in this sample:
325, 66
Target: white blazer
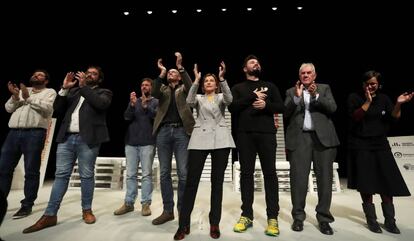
210, 130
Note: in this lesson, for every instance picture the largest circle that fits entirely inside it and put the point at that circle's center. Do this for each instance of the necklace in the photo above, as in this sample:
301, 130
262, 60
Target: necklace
210, 98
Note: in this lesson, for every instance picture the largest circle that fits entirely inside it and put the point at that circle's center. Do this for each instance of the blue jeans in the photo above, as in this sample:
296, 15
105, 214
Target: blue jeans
30, 143
172, 140
67, 153
134, 155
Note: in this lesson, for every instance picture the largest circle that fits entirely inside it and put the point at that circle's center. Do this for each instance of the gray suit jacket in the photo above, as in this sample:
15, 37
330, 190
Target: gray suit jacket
210, 130
320, 110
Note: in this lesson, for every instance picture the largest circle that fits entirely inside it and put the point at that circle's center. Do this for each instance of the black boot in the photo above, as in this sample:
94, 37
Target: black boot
369, 210
389, 214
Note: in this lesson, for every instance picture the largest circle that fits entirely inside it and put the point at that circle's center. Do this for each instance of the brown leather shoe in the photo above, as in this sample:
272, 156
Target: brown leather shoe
163, 218
146, 210
88, 216
181, 232
44, 222
125, 208
214, 231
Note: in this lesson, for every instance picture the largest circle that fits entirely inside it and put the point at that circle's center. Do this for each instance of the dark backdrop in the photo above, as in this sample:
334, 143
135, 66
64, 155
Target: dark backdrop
343, 40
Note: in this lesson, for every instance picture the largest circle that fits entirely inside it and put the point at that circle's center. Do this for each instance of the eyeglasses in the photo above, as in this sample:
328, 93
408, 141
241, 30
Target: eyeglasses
91, 72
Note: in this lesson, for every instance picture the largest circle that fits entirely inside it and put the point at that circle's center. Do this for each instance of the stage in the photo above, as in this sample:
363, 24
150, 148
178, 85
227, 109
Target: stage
346, 208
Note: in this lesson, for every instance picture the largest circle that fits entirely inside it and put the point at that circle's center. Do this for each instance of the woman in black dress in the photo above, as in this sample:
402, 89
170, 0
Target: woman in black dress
372, 167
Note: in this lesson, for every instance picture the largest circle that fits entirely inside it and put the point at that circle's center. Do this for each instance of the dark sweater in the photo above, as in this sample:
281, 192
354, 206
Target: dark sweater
139, 131
375, 121
249, 119
368, 130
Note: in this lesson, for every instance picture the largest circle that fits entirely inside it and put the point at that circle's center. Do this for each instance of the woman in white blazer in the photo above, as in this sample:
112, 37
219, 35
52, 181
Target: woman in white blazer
210, 136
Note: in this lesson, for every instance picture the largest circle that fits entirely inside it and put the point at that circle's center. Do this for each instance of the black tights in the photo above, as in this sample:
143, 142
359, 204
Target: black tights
367, 198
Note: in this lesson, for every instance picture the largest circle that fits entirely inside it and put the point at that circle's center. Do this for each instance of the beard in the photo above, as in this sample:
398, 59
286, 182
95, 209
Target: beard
255, 72
146, 93
35, 82
91, 82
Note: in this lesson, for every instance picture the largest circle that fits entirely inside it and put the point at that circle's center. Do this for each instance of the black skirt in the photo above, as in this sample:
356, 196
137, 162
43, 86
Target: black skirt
372, 168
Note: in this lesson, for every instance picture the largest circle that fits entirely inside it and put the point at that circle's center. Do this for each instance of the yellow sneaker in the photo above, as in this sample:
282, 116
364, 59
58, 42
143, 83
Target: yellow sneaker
272, 227
243, 224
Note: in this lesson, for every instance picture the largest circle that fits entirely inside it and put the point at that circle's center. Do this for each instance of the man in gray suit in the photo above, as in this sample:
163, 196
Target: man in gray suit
310, 138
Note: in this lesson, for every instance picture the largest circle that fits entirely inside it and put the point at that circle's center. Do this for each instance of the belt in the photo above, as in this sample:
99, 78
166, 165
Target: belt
173, 125
28, 129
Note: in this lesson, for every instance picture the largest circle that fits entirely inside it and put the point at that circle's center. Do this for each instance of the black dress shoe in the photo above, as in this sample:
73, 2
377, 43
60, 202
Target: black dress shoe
325, 228
22, 212
392, 227
374, 226
297, 225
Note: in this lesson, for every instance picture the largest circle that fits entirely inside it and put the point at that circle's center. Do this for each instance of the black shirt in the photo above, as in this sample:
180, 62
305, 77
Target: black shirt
250, 119
172, 115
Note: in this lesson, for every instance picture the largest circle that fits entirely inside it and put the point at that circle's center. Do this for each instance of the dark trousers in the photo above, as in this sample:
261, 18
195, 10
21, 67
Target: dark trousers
3, 206
172, 140
197, 158
310, 150
264, 144
30, 143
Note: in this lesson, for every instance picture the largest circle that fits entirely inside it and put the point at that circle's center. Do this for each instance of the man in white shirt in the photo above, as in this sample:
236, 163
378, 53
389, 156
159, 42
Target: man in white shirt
31, 109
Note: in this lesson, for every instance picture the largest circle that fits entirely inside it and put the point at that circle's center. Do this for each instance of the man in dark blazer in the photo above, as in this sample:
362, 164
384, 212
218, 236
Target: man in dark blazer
310, 138
81, 133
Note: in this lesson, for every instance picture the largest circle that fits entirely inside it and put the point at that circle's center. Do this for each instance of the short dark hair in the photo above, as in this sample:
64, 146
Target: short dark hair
101, 73
370, 74
146, 79
249, 57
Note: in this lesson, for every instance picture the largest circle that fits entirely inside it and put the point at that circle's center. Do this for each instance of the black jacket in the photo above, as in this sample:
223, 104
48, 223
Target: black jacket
92, 113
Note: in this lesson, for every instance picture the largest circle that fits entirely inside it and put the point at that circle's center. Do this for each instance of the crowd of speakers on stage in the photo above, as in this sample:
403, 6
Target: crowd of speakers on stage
160, 119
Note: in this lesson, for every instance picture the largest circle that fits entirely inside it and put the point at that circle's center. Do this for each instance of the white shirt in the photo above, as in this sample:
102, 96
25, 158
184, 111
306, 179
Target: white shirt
74, 120
307, 122
34, 112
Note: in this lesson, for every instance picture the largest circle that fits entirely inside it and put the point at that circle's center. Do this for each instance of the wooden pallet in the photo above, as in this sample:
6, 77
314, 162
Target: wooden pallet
336, 185
282, 170
155, 175
108, 174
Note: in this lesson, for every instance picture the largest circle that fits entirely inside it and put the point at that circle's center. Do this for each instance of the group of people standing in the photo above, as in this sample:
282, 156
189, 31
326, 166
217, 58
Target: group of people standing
160, 118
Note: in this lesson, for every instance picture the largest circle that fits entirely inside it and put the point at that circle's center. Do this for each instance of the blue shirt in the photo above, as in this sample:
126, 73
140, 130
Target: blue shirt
139, 131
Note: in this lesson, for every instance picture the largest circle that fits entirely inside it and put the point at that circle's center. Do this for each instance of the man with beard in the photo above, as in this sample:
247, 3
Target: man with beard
31, 109
139, 147
254, 104
81, 133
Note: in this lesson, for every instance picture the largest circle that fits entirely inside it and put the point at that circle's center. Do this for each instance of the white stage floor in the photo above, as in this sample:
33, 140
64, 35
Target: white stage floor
346, 207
